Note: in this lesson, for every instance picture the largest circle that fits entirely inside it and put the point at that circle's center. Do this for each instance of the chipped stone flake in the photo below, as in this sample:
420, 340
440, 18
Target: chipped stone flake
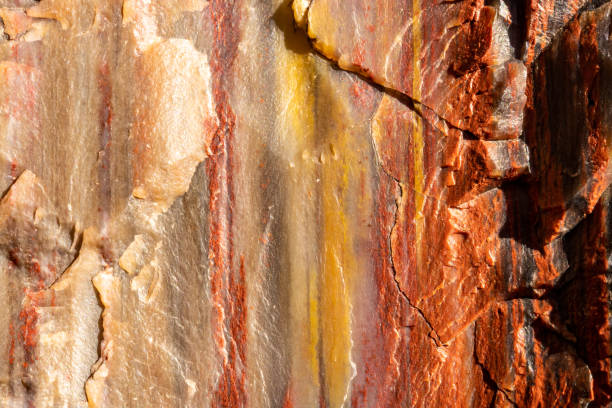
175, 121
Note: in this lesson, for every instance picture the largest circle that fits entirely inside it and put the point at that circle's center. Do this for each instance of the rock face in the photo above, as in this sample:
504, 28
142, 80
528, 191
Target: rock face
368, 203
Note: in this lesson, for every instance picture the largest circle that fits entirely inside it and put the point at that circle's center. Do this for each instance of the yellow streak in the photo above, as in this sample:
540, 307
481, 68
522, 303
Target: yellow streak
313, 303
339, 259
320, 292
417, 133
295, 76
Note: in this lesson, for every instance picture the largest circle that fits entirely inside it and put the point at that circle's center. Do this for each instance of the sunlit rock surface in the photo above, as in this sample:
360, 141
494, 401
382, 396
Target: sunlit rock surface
317, 203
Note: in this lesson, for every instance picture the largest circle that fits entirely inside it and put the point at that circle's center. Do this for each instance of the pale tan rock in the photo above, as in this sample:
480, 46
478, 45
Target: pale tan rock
18, 110
174, 123
133, 257
300, 12
15, 21
148, 340
68, 331
70, 14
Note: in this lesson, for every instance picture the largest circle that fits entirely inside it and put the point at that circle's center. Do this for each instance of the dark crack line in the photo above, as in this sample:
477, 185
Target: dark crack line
417, 107
413, 104
488, 379
432, 332
77, 241
435, 337
403, 183
401, 97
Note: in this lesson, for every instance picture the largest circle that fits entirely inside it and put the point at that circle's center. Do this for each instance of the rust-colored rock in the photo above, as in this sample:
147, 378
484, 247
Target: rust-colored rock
308, 203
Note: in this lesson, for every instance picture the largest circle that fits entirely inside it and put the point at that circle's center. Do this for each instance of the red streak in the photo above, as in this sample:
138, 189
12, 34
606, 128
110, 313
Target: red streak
227, 291
105, 118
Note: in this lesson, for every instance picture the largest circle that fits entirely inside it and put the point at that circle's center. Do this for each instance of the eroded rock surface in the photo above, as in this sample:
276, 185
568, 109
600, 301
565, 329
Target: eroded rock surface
234, 203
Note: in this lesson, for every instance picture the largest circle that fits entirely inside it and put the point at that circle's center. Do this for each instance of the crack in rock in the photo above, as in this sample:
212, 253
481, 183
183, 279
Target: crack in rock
432, 331
492, 384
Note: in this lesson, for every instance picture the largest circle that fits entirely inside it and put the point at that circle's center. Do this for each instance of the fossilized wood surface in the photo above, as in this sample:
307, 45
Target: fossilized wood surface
327, 203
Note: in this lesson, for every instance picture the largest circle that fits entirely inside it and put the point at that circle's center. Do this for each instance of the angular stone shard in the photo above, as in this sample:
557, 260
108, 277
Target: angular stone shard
34, 241
175, 120
300, 12
134, 257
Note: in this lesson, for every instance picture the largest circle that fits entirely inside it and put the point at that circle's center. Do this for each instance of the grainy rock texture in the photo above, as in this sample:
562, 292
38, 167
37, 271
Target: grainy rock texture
317, 203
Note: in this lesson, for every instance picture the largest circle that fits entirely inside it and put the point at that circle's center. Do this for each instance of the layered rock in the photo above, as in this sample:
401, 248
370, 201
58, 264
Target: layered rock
317, 203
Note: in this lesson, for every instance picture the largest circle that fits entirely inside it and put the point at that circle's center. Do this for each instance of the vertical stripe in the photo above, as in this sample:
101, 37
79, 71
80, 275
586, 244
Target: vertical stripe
339, 259
417, 132
295, 78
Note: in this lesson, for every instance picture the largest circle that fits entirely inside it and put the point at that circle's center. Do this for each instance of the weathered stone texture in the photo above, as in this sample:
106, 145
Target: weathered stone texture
367, 203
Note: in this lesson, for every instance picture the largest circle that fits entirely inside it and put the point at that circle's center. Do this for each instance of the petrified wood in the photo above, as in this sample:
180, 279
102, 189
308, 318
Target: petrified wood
308, 203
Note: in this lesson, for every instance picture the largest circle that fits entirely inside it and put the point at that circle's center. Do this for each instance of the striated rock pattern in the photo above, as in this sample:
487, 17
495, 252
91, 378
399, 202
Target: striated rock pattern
307, 203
